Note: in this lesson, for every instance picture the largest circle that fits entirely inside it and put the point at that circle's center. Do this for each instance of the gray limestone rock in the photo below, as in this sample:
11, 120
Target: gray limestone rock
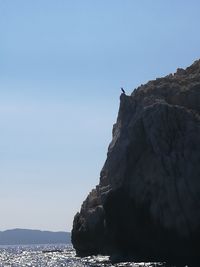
147, 204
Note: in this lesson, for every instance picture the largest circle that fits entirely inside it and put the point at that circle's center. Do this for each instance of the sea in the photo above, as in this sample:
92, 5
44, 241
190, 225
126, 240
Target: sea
59, 255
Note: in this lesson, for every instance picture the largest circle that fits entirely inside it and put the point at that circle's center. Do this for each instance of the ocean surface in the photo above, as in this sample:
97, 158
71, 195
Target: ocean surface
56, 255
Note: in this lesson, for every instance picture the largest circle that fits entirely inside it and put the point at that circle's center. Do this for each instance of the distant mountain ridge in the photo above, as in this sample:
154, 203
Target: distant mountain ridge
27, 236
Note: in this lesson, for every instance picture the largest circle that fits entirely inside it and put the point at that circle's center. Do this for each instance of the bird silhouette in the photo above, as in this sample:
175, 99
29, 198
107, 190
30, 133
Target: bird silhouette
122, 90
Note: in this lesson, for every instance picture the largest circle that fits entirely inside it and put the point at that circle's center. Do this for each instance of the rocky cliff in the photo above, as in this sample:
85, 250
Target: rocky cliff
147, 204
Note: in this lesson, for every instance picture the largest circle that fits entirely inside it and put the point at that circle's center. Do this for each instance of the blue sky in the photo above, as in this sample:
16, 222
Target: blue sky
62, 64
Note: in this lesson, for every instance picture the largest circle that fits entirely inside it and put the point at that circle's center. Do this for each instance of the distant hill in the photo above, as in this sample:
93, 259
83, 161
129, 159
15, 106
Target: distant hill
25, 236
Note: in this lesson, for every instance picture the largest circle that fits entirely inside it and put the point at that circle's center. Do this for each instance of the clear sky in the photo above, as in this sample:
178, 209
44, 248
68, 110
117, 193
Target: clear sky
62, 63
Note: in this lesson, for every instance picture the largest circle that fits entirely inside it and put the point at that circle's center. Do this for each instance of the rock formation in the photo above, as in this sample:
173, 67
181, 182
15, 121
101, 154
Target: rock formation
147, 204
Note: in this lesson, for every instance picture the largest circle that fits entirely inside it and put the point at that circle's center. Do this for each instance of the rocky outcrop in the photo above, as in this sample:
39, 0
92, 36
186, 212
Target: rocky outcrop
147, 204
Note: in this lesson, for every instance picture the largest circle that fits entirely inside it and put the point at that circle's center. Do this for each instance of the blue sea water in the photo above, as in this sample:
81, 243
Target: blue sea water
59, 255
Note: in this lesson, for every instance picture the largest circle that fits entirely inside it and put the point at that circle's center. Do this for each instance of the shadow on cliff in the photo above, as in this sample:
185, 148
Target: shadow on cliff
134, 235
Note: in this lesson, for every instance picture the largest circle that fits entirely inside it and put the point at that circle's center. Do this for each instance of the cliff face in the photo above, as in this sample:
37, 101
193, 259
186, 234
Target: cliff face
147, 204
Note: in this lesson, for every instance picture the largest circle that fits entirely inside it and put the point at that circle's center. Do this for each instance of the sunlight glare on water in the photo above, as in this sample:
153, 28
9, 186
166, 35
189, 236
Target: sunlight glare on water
56, 256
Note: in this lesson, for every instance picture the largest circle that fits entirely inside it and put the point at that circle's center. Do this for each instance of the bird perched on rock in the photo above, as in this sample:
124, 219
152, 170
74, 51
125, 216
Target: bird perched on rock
122, 90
